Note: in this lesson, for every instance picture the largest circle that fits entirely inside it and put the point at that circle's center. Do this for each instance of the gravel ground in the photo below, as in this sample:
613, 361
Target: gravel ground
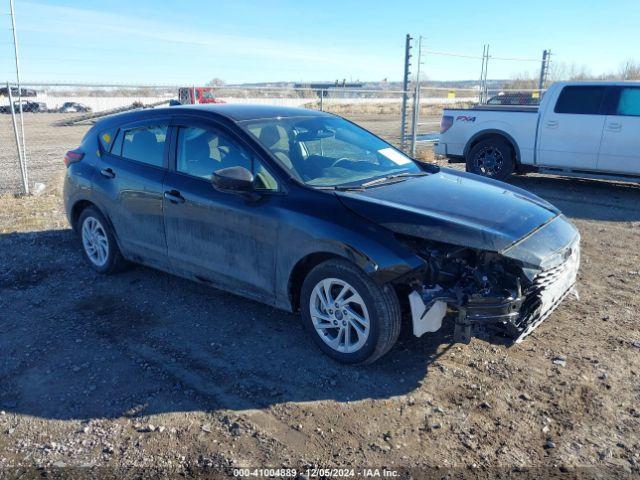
147, 374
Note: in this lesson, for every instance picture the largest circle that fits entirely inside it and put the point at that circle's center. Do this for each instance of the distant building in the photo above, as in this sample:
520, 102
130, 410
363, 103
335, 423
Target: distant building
328, 85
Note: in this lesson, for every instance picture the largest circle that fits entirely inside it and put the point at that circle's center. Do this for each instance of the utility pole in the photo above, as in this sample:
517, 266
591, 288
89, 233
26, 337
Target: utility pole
23, 157
485, 94
544, 69
15, 132
482, 90
416, 102
481, 84
405, 92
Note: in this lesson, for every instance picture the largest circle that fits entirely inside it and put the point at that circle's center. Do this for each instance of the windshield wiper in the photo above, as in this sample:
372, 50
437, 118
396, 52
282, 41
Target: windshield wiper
392, 178
339, 188
398, 177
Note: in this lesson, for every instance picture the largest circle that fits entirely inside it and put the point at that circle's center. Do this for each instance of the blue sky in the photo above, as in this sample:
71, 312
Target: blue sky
193, 41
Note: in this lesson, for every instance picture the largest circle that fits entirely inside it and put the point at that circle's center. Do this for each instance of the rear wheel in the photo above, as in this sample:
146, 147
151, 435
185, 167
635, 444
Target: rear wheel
492, 158
98, 242
350, 318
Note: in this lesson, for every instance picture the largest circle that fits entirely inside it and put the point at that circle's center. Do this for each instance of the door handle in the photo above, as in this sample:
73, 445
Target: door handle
174, 196
552, 123
614, 127
107, 173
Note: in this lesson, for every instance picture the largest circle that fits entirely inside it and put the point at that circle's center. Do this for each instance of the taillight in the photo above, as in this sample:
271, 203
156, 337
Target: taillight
73, 156
445, 123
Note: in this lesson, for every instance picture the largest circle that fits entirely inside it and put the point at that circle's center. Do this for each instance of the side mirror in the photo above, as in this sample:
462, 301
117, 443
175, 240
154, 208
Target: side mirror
233, 180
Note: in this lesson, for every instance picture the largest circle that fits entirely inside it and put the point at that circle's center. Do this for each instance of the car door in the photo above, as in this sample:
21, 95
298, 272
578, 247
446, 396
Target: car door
128, 185
224, 239
570, 133
620, 148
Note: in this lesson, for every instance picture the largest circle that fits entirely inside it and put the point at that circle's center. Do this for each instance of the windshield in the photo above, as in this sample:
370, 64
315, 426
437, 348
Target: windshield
208, 94
329, 151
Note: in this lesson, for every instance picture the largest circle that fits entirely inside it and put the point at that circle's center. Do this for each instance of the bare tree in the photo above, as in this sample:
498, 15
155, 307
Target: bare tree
521, 81
558, 71
216, 82
561, 71
630, 70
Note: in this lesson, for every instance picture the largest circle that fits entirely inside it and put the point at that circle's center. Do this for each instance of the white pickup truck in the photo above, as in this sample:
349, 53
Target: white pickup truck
583, 129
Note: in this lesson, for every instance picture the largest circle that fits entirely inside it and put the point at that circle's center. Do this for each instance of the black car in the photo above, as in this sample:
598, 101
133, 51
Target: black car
515, 98
15, 93
27, 106
68, 107
308, 212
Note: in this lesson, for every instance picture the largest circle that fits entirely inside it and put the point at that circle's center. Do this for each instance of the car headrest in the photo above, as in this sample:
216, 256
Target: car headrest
199, 147
270, 136
142, 144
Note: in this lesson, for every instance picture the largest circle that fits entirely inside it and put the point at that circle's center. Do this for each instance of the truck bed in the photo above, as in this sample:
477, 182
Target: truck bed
499, 108
517, 122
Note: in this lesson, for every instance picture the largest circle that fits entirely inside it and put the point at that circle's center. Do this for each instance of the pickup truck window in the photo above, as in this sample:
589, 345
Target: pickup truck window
580, 100
629, 103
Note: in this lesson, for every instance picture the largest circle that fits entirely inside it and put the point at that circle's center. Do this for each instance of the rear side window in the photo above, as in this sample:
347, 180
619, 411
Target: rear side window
629, 103
144, 144
580, 100
106, 139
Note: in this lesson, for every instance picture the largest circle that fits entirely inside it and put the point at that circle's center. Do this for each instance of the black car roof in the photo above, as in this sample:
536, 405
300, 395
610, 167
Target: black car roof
240, 112
233, 112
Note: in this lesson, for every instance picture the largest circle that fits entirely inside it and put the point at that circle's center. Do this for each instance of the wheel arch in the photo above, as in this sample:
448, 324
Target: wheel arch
76, 210
300, 271
493, 133
80, 206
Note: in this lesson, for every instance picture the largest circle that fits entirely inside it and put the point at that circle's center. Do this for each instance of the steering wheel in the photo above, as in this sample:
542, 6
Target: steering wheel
343, 159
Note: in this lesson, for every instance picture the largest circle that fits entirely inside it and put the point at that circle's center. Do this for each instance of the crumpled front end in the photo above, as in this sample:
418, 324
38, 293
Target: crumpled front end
548, 289
500, 292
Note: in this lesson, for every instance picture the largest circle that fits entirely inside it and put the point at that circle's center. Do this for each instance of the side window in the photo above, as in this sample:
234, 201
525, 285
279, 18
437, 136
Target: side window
116, 148
144, 144
106, 139
263, 179
202, 152
629, 103
276, 139
580, 100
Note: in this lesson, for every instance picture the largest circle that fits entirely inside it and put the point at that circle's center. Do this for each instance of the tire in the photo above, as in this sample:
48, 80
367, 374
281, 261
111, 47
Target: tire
95, 231
329, 327
492, 158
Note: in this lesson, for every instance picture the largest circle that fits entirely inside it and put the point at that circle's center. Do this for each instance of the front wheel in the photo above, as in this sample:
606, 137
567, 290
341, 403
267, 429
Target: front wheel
491, 158
351, 319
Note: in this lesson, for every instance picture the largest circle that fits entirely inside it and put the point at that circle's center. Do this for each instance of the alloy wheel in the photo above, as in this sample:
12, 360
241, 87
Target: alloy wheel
489, 161
339, 315
95, 241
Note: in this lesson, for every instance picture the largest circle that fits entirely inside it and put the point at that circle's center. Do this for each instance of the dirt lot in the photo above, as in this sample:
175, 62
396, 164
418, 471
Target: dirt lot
149, 373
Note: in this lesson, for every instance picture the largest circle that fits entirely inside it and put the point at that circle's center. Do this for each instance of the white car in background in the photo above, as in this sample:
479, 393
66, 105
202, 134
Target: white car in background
583, 129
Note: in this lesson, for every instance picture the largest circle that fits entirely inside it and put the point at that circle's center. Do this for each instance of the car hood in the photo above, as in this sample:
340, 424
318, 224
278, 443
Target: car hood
453, 207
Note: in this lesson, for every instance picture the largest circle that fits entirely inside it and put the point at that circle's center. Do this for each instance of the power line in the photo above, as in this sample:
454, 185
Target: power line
463, 55
516, 59
451, 54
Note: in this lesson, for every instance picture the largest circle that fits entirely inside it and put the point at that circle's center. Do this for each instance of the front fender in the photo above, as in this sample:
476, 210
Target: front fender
371, 247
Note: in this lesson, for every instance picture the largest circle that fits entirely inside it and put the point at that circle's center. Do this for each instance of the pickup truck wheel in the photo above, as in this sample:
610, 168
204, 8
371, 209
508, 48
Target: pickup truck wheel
351, 318
491, 158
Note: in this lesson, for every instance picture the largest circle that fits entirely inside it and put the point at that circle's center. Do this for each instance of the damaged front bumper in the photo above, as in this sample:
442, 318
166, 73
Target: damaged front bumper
515, 312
